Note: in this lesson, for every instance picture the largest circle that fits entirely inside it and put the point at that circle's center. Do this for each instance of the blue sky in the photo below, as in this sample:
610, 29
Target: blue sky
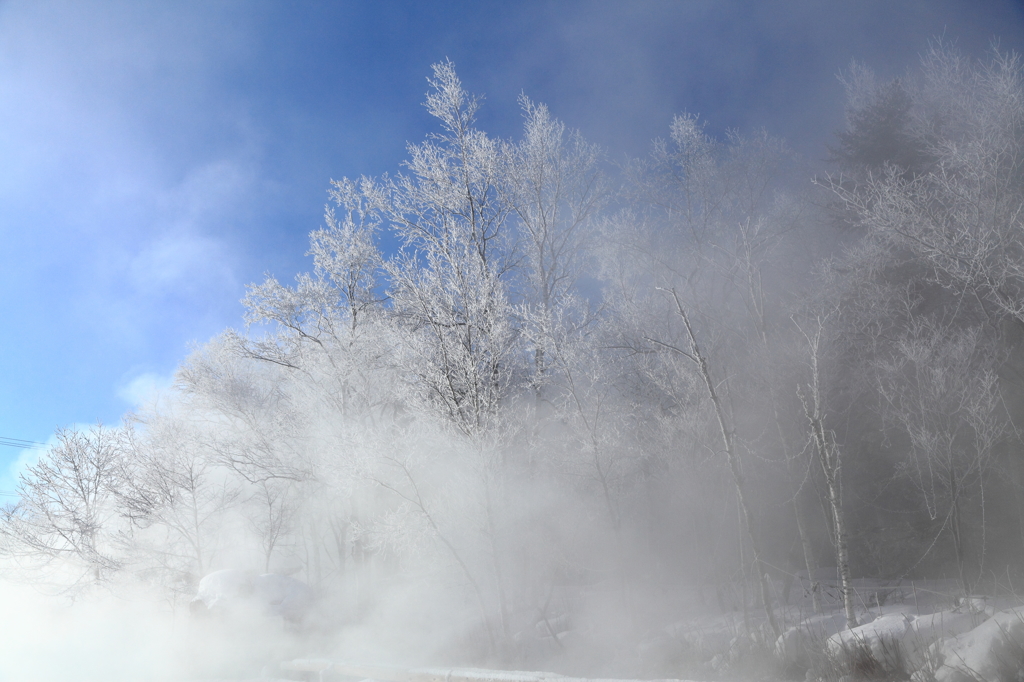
158, 156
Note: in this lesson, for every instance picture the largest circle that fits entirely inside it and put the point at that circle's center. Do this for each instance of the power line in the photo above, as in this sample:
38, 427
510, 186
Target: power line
19, 443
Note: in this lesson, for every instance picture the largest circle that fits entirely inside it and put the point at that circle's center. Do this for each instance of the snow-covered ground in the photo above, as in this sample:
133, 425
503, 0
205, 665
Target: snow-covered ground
910, 629
917, 630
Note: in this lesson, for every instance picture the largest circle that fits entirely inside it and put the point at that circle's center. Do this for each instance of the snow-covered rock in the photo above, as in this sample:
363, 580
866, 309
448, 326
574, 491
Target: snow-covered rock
234, 591
220, 588
283, 596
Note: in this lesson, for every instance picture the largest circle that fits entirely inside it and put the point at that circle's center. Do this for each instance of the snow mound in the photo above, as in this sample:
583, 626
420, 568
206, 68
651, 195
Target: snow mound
991, 652
234, 590
900, 639
283, 595
223, 587
796, 644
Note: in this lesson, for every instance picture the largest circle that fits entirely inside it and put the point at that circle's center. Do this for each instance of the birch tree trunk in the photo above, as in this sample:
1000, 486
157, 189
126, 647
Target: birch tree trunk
694, 354
828, 457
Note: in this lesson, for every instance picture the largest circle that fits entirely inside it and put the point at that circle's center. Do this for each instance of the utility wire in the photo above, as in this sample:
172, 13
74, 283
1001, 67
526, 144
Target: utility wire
19, 443
16, 443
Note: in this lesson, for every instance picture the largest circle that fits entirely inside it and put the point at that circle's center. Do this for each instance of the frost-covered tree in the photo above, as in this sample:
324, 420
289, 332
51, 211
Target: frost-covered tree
177, 500
940, 389
450, 284
691, 288
963, 216
941, 244
66, 526
881, 127
557, 192
828, 453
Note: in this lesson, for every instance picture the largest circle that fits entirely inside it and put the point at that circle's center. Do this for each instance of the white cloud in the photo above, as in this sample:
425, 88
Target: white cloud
185, 259
144, 388
25, 459
180, 263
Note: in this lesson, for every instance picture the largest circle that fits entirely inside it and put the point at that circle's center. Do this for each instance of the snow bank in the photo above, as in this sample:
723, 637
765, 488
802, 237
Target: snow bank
795, 645
396, 674
717, 634
899, 639
991, 652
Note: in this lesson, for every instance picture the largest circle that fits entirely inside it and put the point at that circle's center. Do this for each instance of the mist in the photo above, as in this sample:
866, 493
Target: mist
703, 411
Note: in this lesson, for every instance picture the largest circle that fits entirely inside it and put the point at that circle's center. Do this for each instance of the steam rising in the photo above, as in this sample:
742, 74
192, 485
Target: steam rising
573, 407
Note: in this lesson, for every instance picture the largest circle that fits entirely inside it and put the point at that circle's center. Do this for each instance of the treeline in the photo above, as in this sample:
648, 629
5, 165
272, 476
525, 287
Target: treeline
681, 377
